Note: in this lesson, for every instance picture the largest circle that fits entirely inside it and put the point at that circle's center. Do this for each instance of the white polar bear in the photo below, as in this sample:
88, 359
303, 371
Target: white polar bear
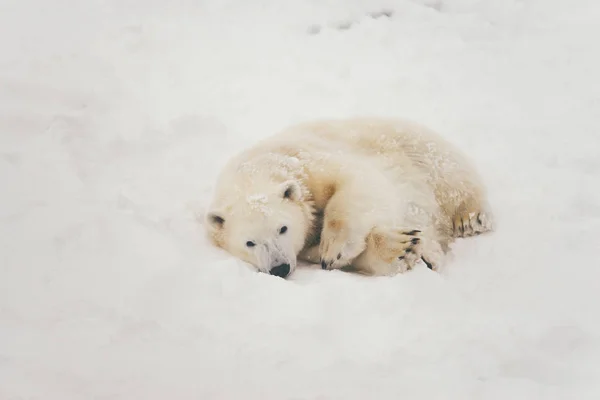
370, 195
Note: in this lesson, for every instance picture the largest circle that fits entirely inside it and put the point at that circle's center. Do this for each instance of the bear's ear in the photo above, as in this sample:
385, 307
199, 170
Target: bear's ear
291, 190
215, 219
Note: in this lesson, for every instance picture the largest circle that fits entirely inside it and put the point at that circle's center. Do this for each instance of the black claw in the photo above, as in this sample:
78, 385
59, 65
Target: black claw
339, 256
429, 265
415, 240
401, 258
323, 264
413, 232
479, 219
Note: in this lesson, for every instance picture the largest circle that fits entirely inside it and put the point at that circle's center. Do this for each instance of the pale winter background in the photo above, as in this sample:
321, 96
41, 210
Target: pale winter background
116, 115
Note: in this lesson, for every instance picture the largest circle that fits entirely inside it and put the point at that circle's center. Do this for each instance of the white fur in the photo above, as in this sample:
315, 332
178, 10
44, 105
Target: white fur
351, 193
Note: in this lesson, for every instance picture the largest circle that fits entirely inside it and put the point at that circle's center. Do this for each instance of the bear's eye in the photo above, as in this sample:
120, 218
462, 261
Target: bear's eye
283, 230
250, 243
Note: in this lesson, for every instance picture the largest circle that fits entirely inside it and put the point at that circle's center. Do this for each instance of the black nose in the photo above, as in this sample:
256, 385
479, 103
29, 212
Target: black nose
281, 270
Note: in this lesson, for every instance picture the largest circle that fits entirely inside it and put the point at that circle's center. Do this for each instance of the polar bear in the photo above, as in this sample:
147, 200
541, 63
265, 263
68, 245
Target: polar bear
370, 195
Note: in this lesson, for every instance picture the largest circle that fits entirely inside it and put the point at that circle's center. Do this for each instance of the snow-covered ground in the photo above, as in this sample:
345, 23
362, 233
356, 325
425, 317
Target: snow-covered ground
116, 115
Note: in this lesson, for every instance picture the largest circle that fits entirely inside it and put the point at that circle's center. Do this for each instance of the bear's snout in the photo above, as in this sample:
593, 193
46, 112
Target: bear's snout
281, 270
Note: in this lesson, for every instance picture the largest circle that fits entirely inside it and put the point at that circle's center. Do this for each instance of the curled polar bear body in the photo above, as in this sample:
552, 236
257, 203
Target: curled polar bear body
371, 195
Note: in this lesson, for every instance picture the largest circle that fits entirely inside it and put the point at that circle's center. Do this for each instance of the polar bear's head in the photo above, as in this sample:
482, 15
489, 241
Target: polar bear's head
266, 228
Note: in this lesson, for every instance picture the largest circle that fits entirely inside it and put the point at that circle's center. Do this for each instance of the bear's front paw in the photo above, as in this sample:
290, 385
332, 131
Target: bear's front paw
400, 249
339, 247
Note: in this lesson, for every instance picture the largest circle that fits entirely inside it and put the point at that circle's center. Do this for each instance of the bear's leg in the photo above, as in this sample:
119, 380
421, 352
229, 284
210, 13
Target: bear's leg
346, 225
360, 203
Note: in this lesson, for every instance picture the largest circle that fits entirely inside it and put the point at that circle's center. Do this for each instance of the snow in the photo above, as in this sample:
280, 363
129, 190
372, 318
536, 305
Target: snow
115, 117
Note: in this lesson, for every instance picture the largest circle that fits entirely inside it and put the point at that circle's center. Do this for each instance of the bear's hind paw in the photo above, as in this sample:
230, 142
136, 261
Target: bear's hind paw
472, 224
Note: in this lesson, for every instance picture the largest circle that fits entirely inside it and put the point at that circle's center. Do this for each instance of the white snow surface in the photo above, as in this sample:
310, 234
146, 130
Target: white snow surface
116, 115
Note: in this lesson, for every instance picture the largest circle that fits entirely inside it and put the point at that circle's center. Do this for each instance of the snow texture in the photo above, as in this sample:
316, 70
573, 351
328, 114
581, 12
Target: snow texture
116, 115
